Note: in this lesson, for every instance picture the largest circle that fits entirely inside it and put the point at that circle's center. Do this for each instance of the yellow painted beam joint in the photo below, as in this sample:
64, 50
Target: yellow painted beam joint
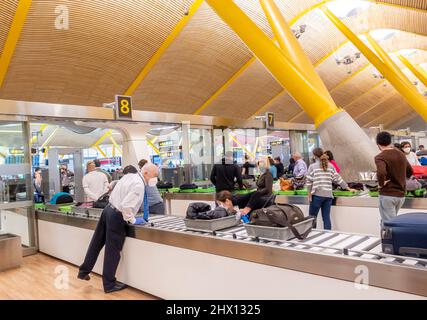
101, 151
409, 92
291, 47
103, 137
314, 103
417, 72
171, 37
13, 37
156, 150
242, 146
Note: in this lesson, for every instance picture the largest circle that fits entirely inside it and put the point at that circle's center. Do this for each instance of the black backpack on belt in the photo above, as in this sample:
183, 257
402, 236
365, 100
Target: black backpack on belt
280, 215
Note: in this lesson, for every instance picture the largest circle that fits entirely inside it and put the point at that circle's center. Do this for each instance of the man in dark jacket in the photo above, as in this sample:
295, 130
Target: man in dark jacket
225, 175
279, 166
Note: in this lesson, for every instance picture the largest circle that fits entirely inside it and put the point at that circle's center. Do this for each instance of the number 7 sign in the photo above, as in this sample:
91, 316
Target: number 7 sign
269, 119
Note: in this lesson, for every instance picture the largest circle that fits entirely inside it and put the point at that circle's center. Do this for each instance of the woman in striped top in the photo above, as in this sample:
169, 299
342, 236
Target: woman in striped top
320, 176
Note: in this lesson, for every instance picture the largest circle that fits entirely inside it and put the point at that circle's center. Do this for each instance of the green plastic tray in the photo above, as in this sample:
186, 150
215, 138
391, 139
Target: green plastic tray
285, 192
244, 191
187, 191
374, 193
65, 209
417, 193
339, 193
39, 206
207, 190
301, 192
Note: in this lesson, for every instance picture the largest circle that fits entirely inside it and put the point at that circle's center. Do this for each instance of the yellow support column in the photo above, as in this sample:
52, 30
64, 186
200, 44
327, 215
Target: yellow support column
409, 92
418, 73
387, 60
314, 103
291, 47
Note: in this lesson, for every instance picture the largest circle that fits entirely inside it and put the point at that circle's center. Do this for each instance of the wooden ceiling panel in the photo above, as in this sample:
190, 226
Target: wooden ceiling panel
416, 4
251, 90
284, 107
346, 93
107, 44
200, 60
382, 109
370, 99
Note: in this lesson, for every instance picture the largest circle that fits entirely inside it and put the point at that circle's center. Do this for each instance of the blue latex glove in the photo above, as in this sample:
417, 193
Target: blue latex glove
140, 221
245, 219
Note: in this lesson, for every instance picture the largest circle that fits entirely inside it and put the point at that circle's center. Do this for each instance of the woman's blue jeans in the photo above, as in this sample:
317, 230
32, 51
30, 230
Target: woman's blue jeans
325, 204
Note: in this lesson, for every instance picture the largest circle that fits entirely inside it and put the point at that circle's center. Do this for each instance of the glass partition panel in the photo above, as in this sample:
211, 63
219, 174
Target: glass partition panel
201, 154
16, 207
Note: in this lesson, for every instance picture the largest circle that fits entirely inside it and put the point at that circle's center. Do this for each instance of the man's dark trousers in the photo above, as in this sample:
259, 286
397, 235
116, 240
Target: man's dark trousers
111, 232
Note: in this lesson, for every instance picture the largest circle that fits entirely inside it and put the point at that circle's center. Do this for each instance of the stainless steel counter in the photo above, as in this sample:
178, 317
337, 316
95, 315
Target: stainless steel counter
325, 253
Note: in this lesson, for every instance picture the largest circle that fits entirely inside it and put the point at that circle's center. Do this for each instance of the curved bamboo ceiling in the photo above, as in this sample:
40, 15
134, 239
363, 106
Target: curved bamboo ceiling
206, 68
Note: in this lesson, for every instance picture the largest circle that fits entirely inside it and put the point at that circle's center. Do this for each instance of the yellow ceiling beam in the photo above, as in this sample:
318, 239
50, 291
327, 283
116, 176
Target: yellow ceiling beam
156, 150
103, 137
242, 69
318, 107
50, 137
387, 60
242, 146
290, 46
13, 37
43, 127
171, 37
409, 92
115, 145
418, 72
225, 86
292, 22
101, 151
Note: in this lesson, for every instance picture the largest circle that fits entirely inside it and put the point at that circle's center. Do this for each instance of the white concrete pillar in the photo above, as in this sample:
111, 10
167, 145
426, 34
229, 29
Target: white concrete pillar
353, 150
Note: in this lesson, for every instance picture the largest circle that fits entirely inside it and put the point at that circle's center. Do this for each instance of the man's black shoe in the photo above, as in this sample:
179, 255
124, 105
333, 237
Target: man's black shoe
117, 287
83, 276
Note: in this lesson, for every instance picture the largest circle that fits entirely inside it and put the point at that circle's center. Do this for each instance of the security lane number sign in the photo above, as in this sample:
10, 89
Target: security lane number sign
269, 119
123, 107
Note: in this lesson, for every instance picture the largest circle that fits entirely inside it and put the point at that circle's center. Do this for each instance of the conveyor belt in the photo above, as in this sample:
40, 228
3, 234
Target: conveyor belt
323, 241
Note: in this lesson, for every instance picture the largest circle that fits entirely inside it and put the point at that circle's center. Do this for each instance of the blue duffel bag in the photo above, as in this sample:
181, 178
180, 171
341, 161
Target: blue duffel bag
406, 235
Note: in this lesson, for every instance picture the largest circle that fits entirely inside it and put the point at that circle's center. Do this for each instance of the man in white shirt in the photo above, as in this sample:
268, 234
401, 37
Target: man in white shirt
125, 200
95, 183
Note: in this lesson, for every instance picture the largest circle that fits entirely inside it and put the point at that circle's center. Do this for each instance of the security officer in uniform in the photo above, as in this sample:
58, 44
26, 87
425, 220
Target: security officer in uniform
125, 200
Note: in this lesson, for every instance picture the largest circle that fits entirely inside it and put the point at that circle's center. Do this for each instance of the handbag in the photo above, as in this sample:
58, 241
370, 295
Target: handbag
102, 201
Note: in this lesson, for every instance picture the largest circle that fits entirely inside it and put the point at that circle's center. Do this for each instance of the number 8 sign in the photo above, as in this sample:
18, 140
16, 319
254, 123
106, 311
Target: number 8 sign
123, 107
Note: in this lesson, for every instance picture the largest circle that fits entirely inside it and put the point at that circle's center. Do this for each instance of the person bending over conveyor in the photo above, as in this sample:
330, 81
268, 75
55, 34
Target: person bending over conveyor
125, 200
264, 192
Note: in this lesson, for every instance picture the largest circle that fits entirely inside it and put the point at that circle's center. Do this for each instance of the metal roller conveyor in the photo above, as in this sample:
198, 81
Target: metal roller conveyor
323, 252
338, 243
